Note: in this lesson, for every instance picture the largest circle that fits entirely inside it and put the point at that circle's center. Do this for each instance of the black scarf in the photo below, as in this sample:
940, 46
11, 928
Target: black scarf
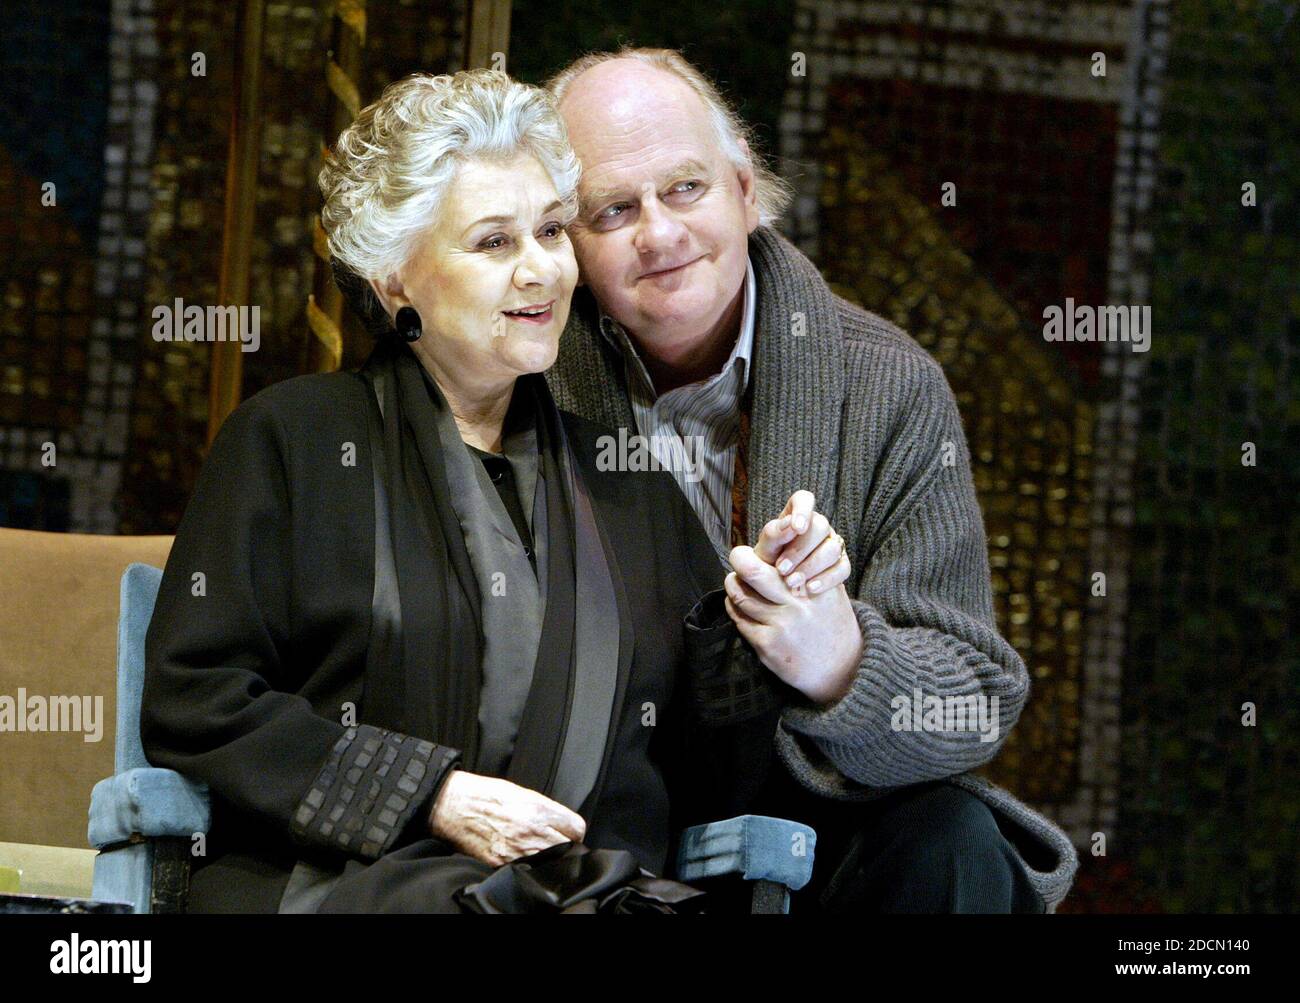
424, 671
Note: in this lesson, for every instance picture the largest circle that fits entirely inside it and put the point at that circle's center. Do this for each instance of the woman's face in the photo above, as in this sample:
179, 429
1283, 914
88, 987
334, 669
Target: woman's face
497, 248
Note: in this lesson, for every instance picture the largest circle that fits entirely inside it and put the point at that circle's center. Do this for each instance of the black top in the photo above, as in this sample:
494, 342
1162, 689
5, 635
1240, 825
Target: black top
503, 476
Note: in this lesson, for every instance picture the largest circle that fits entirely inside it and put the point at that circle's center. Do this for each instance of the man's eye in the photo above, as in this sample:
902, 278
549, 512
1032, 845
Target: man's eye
609, 213
684, 188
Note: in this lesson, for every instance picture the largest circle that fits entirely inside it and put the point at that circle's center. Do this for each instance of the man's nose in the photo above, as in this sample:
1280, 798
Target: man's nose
658, 229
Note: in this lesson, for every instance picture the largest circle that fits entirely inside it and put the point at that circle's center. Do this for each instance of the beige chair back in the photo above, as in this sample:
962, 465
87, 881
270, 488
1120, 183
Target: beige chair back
58, 638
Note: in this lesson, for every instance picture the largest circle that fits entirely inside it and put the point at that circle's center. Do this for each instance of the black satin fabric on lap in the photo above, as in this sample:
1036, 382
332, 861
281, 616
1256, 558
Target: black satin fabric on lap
571, 878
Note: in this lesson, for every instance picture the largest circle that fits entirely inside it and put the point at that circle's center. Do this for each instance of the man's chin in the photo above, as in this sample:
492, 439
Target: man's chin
684, 310
677, 328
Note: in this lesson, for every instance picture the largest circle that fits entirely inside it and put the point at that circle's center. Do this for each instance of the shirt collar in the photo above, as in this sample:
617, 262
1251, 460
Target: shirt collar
741, 353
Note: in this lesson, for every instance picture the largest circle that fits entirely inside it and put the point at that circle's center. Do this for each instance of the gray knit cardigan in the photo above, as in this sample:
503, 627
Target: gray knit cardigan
853, 409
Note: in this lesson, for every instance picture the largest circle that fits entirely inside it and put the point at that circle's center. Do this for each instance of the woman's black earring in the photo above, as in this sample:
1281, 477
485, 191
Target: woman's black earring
408, 324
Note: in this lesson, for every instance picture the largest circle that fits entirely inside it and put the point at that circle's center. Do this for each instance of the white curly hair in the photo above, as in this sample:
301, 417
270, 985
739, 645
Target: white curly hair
390, 169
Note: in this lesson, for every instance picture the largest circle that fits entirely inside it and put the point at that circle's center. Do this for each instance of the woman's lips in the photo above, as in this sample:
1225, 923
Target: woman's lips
534, 318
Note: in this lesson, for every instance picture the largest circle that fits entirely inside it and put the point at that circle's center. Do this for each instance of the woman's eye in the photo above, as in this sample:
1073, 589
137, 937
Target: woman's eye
492, 243
553, 230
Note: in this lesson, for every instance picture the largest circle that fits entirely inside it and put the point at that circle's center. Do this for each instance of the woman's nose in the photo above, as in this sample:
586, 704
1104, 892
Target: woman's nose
536, 266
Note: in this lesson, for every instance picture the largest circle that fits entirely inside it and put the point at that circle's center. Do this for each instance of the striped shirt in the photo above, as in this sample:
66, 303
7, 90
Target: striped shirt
693, 430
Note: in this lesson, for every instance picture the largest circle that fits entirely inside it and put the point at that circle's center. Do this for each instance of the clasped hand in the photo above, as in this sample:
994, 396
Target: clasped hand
787, 598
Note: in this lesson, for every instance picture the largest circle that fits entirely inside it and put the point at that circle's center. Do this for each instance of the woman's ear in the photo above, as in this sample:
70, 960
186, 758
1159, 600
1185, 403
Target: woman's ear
381, 294
391, 295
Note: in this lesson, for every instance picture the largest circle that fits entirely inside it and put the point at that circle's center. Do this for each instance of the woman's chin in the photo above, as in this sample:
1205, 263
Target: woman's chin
537, 357
526, 367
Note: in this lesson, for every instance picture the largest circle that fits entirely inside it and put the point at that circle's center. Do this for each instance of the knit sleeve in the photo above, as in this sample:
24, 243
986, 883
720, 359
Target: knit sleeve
223, 701
937, 689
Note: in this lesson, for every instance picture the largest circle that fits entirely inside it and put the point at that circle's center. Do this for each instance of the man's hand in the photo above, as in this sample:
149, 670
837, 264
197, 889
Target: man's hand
497, 821
787, 599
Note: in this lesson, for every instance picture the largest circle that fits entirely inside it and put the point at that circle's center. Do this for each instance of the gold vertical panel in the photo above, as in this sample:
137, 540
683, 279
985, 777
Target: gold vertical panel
327, 332
489, 32
343, 70
241, 200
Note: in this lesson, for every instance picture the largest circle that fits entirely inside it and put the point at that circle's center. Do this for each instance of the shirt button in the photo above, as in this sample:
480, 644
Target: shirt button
496, 476
528, 551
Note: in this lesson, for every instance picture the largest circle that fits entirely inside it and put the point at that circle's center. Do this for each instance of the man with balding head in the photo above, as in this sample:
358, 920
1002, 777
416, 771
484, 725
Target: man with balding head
805, 432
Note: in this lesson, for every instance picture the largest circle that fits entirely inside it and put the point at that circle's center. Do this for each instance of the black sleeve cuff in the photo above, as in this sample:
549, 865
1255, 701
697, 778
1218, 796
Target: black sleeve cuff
371, 788
727, 682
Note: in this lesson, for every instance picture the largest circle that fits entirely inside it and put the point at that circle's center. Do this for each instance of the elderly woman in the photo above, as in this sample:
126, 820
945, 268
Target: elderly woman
409, 631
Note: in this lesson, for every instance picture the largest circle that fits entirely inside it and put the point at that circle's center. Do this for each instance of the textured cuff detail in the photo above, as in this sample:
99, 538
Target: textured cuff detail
371, 785
727, 681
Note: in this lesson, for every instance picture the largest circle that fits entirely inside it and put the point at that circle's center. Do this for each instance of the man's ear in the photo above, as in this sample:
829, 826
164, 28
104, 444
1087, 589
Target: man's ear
748, 189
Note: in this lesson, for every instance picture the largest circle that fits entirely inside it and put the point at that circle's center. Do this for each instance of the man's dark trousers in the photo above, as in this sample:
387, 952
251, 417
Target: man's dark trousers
928, 848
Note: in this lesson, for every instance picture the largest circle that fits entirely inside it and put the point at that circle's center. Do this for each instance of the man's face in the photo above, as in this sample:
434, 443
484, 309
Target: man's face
661, 236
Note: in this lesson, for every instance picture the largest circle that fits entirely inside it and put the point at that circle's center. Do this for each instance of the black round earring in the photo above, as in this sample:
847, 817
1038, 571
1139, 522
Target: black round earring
408, 324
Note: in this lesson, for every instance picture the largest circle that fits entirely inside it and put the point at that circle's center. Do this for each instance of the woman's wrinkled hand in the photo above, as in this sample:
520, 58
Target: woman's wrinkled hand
497, 821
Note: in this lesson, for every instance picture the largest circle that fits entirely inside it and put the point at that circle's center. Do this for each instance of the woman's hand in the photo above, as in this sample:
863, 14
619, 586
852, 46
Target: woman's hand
803, 547
496, 821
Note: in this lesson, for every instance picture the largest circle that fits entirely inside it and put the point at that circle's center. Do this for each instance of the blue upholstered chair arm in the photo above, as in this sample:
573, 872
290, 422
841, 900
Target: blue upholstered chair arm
148, 802
756, 847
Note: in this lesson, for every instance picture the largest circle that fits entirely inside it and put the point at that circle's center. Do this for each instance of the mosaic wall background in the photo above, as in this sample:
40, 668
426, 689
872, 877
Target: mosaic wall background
1123, 188
73, 182
136, 143
1216, 577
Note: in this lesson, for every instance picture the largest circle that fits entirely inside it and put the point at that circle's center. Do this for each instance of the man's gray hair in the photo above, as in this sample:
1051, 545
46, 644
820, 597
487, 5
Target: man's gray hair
773, 192
387, 175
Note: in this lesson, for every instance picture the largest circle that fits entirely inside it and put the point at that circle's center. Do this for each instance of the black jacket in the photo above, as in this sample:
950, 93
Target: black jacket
256, 653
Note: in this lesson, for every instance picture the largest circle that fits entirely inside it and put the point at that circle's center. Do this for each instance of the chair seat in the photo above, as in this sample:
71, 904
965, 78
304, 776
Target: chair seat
757, 847
147, 801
